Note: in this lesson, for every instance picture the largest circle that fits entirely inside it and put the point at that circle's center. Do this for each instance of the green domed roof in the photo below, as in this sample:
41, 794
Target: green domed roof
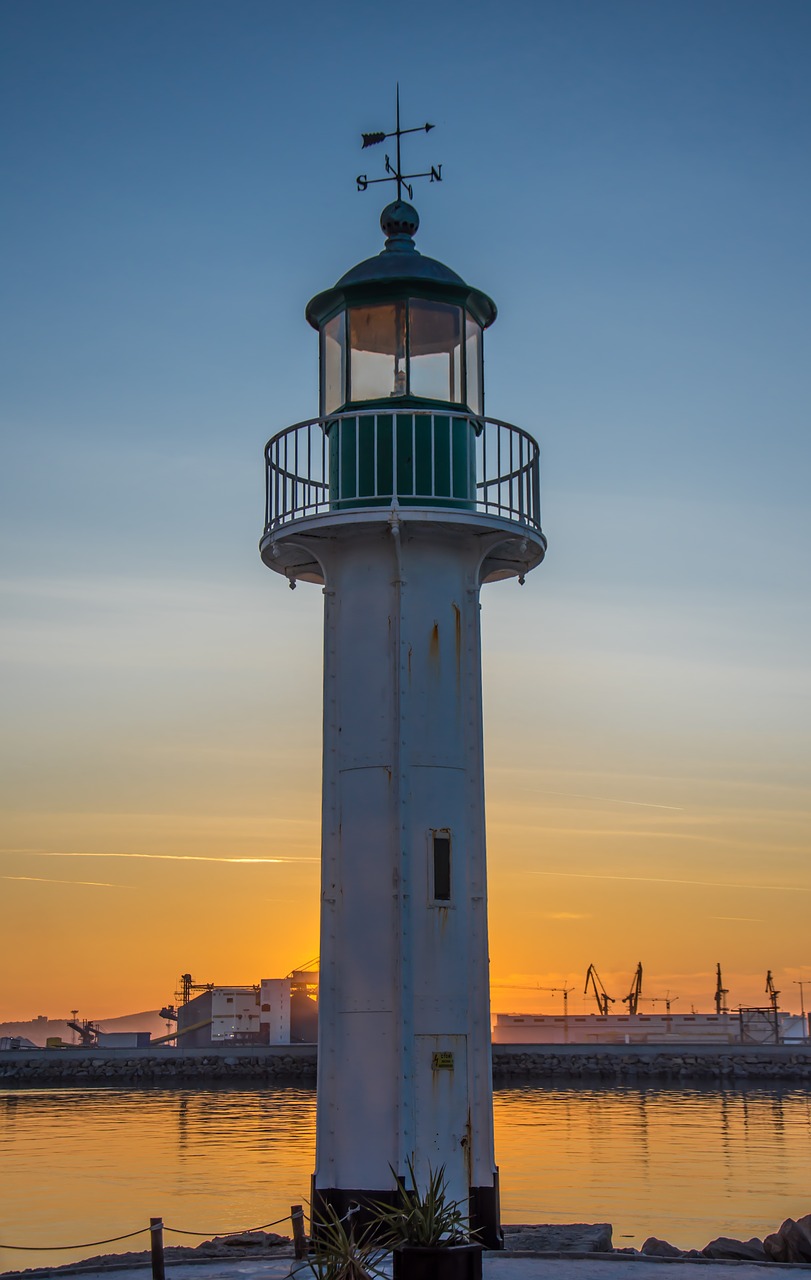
400, 270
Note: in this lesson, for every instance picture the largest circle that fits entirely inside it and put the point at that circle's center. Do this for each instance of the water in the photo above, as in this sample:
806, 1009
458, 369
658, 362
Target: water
79, 1165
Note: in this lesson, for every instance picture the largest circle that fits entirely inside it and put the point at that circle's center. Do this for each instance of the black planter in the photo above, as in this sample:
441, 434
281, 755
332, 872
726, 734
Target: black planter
438, 1262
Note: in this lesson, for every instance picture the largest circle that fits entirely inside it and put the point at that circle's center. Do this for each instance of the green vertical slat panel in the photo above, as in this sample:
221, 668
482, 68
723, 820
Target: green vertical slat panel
385, 456
349, 433
422, 448
366, 456
464, 460
404, 455
332, 445
442, 457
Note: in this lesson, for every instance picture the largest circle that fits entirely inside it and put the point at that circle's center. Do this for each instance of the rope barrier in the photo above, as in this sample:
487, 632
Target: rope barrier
242, 1231
91, 1244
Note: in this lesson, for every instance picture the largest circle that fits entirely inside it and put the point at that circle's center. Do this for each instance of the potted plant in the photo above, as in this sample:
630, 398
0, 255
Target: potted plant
341, 1252
429, 1234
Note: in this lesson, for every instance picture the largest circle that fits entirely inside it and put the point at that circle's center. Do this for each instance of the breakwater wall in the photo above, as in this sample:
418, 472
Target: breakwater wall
282, 1064
291, 1064
630, 1064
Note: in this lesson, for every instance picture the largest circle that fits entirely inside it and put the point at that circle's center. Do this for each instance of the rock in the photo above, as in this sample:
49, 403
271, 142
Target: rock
791, 1243
250, 1240
744, 1250
774, 1246
574, 1237
654, 1248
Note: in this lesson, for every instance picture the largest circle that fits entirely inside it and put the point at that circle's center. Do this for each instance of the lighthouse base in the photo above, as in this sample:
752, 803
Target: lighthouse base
485, 1215
485, 1209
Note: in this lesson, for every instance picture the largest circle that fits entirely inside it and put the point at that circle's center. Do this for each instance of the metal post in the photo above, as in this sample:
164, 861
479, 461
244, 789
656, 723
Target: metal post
156, 1239
299, 1237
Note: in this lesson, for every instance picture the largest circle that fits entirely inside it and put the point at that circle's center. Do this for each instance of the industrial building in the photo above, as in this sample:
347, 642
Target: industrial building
747, 1026
274, 1011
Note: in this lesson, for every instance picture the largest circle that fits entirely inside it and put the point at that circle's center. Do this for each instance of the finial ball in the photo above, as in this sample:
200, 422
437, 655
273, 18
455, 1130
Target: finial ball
399, 219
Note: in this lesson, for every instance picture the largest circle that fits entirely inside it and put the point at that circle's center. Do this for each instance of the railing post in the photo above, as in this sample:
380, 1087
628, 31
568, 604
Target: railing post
340, 446
297, 480
324, 472
156, 1241
276, 482
480, 465
414, 455
536, 490
299, 1236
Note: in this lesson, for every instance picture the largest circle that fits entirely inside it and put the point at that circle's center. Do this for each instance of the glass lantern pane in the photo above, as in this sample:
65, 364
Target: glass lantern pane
377, 351
333, 363
473, 365
435, 350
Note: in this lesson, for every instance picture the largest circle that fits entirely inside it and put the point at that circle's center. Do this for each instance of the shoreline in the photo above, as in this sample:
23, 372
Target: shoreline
612, 1064
272, 1256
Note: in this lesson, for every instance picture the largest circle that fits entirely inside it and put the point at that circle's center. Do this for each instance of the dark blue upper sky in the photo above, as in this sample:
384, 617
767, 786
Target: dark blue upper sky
628, 179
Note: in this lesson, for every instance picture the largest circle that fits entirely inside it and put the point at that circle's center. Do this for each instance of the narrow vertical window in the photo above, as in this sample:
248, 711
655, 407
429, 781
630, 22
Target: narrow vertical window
473, 363
333, 363
442, 866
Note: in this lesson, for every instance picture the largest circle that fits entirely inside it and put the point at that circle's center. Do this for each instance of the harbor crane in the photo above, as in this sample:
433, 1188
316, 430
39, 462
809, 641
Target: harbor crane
770, 991
565, 991
600, 994
632, 998
721, 993
668, 1000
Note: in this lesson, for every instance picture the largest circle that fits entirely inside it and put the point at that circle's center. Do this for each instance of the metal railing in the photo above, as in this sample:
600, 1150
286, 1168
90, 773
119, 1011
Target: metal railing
352, 460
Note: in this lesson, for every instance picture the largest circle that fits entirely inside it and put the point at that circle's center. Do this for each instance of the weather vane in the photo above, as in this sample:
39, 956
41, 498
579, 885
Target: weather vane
395, 172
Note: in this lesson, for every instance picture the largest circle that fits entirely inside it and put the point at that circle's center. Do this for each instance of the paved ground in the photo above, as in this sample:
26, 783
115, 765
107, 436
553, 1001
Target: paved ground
497, 1266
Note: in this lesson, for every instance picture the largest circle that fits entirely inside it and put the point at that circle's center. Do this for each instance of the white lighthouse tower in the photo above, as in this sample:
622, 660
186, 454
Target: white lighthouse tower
402, 499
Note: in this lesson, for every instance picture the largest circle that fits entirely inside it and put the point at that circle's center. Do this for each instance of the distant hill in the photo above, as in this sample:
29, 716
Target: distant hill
39, 1029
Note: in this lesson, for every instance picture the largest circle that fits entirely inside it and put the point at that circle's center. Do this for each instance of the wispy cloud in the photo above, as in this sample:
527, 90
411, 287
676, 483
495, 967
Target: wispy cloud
702, 884
689, 830
739, 919
581, 795
566, 915
91, 884
154, 857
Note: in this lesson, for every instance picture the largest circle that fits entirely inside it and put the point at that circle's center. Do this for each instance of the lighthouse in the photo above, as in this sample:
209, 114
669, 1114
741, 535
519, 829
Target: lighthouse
401, 500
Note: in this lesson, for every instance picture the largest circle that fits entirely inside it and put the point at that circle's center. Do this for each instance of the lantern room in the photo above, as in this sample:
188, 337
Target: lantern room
401, 329
401, 332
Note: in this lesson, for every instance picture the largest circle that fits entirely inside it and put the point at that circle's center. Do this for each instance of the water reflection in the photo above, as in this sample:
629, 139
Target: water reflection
686, 1164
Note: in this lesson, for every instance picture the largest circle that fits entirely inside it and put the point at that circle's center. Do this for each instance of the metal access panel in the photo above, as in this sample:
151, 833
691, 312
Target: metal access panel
365, 1071
442, 1111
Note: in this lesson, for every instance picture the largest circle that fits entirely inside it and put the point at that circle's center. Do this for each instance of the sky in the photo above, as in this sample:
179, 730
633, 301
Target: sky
629, 180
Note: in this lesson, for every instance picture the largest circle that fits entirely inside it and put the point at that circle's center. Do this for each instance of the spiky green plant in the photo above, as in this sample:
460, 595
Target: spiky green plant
341, 1252
426, 1217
